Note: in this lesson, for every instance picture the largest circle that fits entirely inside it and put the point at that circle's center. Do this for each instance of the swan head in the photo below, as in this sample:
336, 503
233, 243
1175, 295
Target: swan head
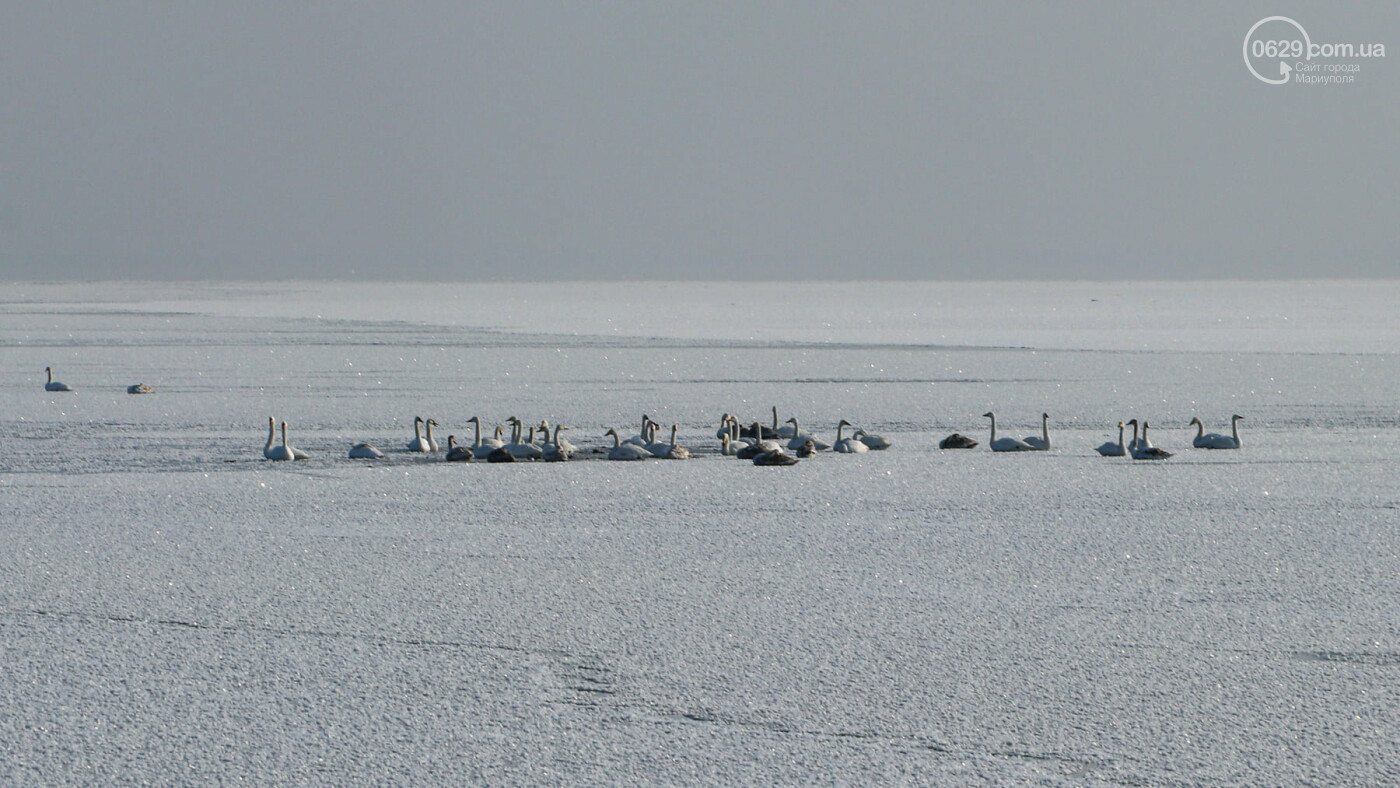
473, 420
1045, 415
792, 420
512, 420
988, 415
1121, 425
1130, 421
1194, 422
432, 422
843, 423
611, 432
417, 419
1237, 417
451, 442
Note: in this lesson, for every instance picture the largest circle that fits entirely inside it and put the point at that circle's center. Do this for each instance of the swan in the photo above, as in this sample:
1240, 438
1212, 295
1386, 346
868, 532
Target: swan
569, 449
365, 451
428, 434
500, 454
272, 451
723, 430
641, 438
727, 447
54, 385
418, 444
873, 442
482, 447
674, 452
1214, 440
809, 449
777, 458
784, 431
842, 445
653, 445
457, 453
1111, 449
957, 441
1005, 444
139, 388
517, 449
557, 450
1040, 442
757, 447
1144, 450
801, 437
297, 454
626, 451
281, 452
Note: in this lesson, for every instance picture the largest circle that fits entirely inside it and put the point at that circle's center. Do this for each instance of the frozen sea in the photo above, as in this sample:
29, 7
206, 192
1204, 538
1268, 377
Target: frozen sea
176, 609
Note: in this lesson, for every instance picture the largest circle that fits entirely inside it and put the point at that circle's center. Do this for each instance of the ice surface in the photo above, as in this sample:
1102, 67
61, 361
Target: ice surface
177, 609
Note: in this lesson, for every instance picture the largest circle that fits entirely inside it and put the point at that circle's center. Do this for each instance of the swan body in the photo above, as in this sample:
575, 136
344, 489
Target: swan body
521, 450
842, 445
139, 388
418, 445
557, 450
274, 452
1005, 444
1214, 440
674, 452
365, 451
1143, 449
500, 454
656, 447
482, 447
297, 454
626, 451
957, 441
54, 385
1040, 442
785, 431
873, 442
774, 458
1111, 449
800, 437
567, 448
457, 453
727, 447
809, 449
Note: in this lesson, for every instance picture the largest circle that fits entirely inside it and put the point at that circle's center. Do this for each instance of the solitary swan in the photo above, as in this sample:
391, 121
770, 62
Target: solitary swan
957, 441
139, 388
1005, 444
626, 451
1111, 449
297, 454
418, 444
1143, 449
1214, 440
1042, 441
874, 442
457, 453
844, 445
54, 385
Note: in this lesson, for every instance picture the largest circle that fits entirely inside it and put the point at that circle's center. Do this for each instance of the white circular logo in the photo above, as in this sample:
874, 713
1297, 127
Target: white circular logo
1274, 47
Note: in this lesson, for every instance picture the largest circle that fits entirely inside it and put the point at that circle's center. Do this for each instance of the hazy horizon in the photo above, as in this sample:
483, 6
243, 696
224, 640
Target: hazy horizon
500, 142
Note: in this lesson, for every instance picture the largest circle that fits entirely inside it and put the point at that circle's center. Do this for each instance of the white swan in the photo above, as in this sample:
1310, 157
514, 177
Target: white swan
482, 447
843, 445
1214, 440
54, 385
569, 449
641, 438
785, 431
800, 437
428, 435
418, 444
626, 451
1040, 442
674, 452
278, 453
1111, 449
518, 449
297, 454
365, 451
139, 388
723, 427
457, 453
873, 442
558, 449
727, 447
1005, 444
1143, 449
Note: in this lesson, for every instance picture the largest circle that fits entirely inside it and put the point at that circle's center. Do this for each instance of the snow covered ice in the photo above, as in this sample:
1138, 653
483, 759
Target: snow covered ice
177, 609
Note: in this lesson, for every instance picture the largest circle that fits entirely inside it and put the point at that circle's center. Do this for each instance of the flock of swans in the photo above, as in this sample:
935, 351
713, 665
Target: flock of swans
778, 445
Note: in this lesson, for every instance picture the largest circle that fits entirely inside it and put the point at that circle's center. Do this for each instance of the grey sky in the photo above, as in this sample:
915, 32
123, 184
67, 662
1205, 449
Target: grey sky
766, 140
